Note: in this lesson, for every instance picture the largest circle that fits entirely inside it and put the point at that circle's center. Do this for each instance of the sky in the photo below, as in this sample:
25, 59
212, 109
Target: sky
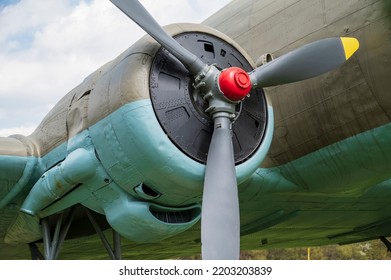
48, 47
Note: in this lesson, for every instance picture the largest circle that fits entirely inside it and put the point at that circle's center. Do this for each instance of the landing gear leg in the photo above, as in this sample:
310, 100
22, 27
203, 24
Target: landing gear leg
386, 243
53, 246
52, 243
115, 252
35, 253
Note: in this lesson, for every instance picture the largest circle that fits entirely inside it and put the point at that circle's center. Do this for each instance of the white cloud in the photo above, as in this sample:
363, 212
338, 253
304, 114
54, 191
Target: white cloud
24, 130
48, 47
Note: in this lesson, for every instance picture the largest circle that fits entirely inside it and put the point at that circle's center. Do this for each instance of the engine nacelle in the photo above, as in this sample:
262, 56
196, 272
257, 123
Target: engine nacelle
158, 130
144, 126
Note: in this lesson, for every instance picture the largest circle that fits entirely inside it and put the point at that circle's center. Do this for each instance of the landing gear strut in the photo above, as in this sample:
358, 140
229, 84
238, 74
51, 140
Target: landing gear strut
52, 243
386, 243
114, 253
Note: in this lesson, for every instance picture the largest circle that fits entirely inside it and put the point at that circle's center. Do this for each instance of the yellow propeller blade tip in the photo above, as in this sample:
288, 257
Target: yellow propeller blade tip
350, 46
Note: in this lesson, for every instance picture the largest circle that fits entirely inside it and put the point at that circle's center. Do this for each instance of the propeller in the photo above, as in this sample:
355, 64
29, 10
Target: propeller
135, 11
220, 227
220, 223
306, 62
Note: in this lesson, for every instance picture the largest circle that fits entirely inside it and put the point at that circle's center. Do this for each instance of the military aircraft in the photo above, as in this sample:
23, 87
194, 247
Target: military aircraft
186, 143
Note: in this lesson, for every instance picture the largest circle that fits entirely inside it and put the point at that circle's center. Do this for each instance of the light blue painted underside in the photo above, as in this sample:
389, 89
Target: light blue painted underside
133, 149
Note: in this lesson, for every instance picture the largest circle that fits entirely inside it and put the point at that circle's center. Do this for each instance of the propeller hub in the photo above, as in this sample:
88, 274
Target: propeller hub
234, 83
180, 106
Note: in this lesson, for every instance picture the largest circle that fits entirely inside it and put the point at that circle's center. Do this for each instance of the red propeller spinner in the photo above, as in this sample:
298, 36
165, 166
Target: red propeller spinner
234, 83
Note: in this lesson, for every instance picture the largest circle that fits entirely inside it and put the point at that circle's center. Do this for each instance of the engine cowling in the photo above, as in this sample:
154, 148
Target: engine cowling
144, 126
159, 131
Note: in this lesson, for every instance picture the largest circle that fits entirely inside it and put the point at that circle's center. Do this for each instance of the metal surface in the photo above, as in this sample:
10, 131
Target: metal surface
220, 205
326, 174
134, 10
52, 244
102, 237
46, 239
220, 155
64, 232
79, 167
180, 107
305, 62
325, 110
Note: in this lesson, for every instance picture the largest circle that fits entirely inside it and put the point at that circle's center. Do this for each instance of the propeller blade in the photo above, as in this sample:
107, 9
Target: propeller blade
306, 62
134, 10
220, 222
